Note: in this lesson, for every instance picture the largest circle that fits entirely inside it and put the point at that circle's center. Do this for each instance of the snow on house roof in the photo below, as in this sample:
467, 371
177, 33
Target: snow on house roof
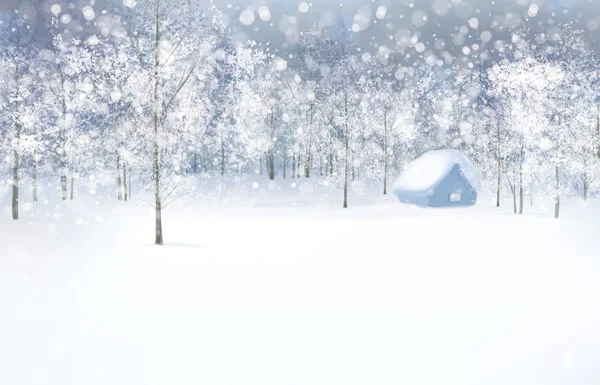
431, 167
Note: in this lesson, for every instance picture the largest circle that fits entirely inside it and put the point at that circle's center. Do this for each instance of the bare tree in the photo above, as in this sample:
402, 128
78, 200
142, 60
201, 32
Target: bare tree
18, 127
159, 115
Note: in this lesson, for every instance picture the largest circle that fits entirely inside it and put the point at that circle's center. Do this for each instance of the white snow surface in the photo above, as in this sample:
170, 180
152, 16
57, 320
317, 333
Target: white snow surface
425, 172
285, 287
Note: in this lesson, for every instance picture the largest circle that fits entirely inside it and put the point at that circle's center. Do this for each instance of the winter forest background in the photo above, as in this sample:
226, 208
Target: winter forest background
156, 94
258, 141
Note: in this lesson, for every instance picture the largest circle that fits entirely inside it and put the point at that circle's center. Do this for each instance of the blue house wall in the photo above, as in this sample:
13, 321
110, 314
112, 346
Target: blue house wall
454, 182
439, 196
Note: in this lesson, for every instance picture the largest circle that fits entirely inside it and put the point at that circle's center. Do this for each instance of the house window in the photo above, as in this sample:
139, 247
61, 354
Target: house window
455, 197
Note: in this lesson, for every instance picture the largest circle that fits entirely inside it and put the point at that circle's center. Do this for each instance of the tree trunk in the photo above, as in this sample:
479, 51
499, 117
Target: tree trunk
35, 181
63, 177
321, 165
498, 187
584, 177
499, 166
293, 165
346, 152
222, 156
298, 167
284, 161
514, 193
119, 185
385, 165
130, 186
307, 163
521, 182
260, 160
17, 124
155, 159
598, 128
271, 164
521, 199
531, 192
331, 164
124, 182
195, 168
15, 186
513, 187
63, 140
72, 183
557, 204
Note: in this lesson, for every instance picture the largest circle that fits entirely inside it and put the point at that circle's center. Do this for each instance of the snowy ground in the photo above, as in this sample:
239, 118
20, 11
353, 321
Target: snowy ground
281, 287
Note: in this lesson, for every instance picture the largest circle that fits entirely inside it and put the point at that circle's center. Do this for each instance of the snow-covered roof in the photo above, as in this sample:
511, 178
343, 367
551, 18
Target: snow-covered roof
431, 167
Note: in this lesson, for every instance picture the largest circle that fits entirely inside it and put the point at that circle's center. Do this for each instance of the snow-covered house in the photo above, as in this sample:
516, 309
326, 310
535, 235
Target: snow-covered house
442, 178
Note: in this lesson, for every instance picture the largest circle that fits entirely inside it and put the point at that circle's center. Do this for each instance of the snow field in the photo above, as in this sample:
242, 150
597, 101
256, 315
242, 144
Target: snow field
268, 292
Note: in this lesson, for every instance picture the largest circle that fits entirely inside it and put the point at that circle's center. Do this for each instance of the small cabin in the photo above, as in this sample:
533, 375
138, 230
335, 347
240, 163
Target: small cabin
441, 178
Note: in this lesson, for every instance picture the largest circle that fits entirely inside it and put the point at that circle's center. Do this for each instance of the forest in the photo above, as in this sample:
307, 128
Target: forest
162, 93
219, 192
